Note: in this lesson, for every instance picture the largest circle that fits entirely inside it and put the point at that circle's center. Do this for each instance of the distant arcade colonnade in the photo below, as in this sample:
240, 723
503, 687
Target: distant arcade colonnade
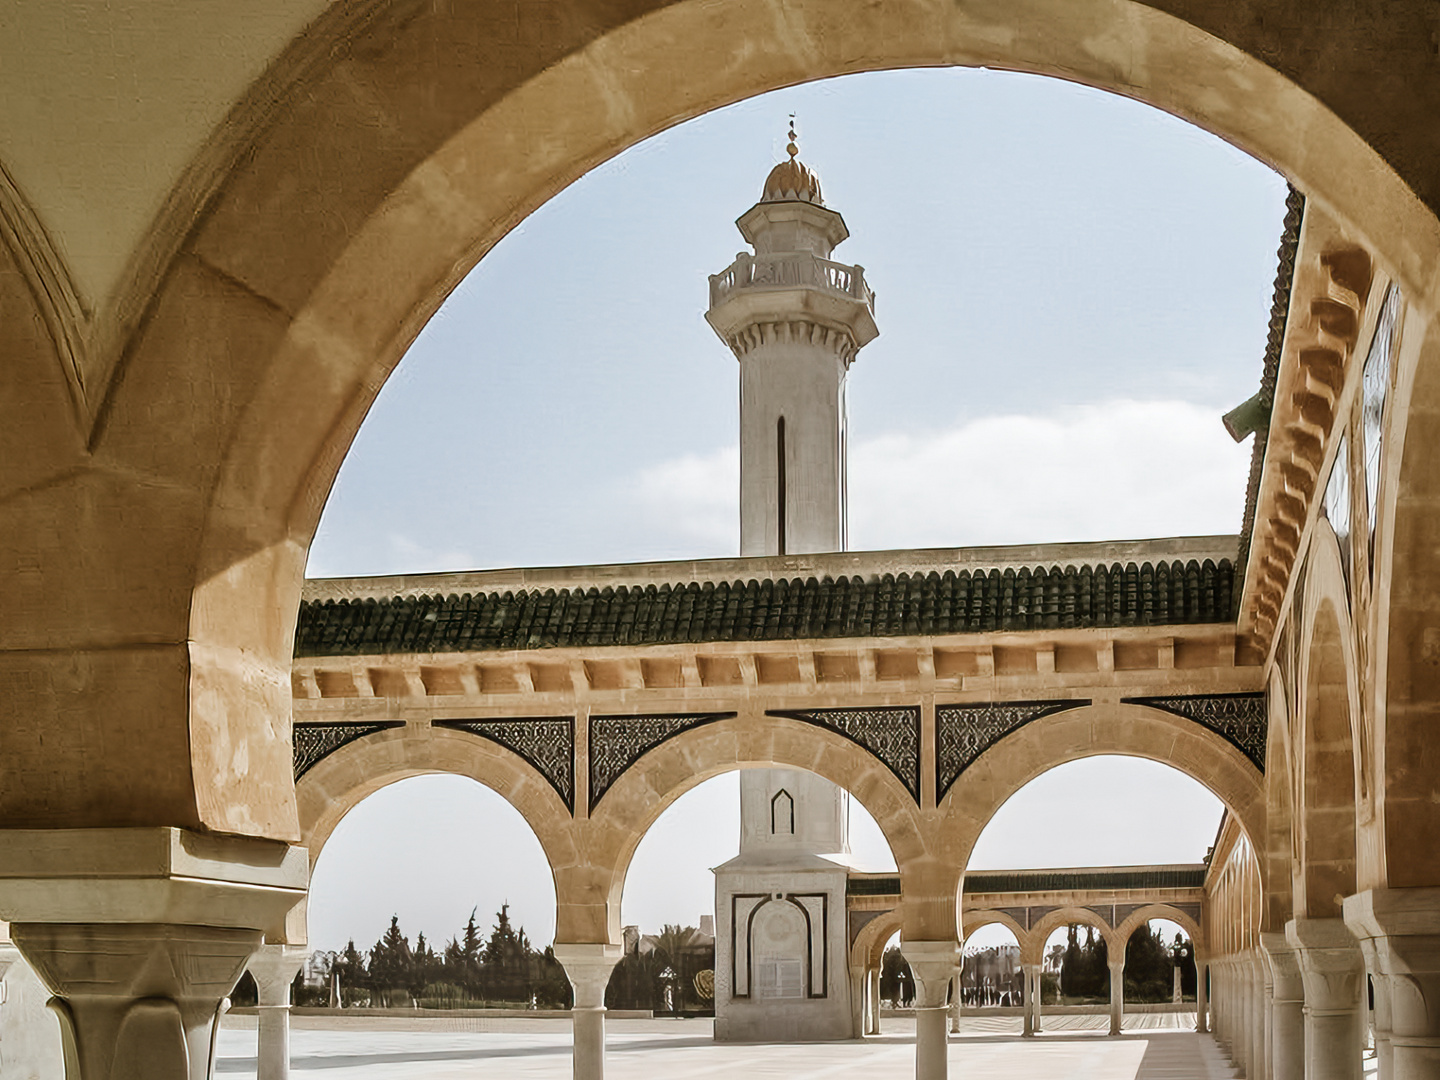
1032, 904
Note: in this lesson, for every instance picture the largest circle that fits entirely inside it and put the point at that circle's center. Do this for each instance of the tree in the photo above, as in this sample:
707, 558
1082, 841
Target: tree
676, 945
391, 962
894, 973
425, 967
506, 960
350, 967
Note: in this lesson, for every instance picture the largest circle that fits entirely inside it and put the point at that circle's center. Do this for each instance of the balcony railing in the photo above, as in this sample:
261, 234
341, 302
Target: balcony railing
789, 271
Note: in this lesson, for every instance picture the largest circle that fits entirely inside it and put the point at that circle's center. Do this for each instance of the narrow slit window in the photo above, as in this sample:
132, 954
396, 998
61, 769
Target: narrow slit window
780, 481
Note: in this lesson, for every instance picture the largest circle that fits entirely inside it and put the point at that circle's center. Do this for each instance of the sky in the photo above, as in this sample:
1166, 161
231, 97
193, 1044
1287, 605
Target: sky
1071, 289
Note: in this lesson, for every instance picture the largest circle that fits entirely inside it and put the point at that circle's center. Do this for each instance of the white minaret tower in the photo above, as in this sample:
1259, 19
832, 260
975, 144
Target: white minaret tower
795, 320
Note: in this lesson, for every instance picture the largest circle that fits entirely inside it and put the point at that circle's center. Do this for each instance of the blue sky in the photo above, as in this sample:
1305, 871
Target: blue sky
1072, 288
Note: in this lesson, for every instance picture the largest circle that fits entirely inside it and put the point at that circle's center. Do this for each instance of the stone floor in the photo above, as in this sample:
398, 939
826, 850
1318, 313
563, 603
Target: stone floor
1154, 1047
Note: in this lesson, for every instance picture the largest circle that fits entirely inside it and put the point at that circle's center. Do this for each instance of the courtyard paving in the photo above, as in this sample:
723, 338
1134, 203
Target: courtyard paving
1154, 1047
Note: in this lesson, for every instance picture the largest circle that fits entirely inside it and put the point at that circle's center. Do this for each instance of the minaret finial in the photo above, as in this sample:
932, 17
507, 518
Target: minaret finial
791, 148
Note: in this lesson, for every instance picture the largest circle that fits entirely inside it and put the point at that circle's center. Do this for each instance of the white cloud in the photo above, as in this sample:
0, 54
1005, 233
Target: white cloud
695, 499
1115, 470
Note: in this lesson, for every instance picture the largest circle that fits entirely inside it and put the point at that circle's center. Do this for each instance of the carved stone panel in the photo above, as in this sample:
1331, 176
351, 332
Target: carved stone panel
314, 742
547, 743
617, 742
1242, 720
964, 732
891, 734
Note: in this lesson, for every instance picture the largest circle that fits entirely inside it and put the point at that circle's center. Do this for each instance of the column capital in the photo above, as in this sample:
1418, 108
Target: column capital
588, 966
1400, 931
274, 967
1331, 965
136, 999
1284, 965
932, 963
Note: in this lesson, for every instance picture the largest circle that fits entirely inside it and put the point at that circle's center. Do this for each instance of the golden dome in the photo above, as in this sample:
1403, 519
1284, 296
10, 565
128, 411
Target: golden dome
792, 179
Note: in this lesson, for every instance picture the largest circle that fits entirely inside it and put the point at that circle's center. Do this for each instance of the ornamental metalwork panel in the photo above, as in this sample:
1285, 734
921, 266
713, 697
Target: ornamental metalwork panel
891, 734
964, 732
617, 742
547, 743
1242, 720
314, 742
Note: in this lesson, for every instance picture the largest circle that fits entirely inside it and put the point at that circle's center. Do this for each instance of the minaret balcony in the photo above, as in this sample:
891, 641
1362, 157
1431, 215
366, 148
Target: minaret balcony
771, 287
787, 271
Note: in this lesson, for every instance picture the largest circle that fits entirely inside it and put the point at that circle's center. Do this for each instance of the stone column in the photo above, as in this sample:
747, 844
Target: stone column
1117, 996
1264, 1052
1333, 973
1380, 1017
274, 968
1403, 927
874, 1002
955, 1002
1259, 1015
1032, 1000
588, 967
933, 963
140, 933
1202, 997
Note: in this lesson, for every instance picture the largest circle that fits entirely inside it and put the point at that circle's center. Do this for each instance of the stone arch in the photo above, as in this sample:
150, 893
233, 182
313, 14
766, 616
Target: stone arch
342, 780
344, 220
979, 917
1091, 731
1067, 916
1326, 759
868, 948
751, 739
1132, 923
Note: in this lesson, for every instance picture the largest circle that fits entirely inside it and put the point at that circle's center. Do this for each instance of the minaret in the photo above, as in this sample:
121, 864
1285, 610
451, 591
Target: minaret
795, 320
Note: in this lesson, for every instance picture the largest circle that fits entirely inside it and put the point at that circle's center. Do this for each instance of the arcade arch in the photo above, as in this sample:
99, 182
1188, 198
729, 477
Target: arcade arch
1127, 730
428, 849
339, 782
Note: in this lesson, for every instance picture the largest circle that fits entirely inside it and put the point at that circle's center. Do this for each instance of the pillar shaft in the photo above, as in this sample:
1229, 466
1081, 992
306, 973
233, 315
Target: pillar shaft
1117, 997
1032, 999
1333, 973
588, 967
874, 1001
1202, 1004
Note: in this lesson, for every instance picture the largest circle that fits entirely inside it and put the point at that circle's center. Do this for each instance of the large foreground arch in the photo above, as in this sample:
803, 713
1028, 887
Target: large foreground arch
344, 219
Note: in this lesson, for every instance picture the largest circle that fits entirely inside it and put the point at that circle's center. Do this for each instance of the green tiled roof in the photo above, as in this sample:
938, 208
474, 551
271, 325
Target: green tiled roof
1173, 877
1032, 881
935, 603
